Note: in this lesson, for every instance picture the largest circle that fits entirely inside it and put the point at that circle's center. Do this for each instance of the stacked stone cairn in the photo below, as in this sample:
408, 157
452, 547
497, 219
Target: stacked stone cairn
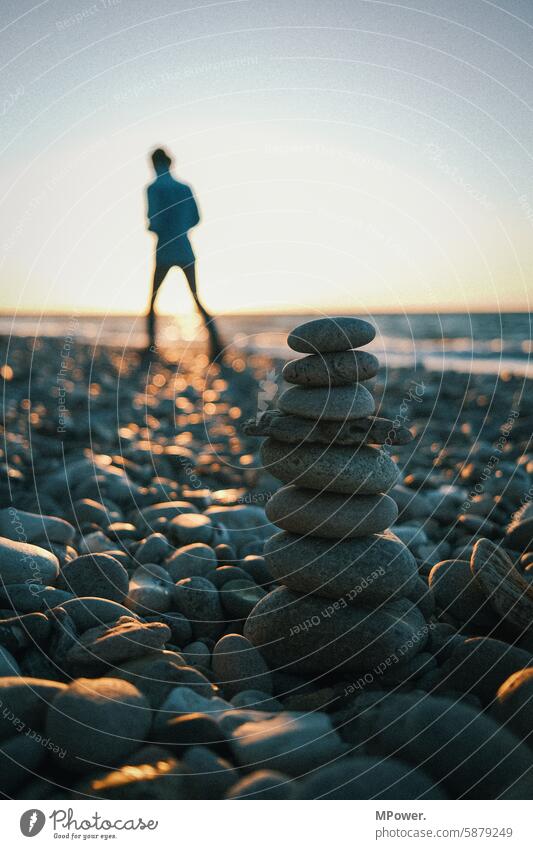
349, 604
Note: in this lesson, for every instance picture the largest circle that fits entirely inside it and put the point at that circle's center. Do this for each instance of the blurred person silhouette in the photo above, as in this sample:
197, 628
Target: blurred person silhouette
172, 212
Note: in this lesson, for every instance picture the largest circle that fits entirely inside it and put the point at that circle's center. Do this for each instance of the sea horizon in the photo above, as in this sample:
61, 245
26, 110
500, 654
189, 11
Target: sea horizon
477, 342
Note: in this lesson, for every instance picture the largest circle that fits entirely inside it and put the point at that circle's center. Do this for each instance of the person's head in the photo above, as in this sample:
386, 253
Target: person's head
161, 160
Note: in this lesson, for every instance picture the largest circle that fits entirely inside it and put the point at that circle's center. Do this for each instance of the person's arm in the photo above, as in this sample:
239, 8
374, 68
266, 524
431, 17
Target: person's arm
193, 213
152, 208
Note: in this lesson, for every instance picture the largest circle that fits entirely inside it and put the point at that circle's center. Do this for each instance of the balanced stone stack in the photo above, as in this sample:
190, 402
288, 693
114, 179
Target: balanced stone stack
347, 601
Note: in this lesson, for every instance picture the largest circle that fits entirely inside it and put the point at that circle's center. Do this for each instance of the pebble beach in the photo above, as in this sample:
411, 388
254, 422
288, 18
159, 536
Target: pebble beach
255, 579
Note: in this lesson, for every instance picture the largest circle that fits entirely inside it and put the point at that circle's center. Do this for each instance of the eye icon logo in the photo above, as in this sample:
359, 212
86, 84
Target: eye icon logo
32, 822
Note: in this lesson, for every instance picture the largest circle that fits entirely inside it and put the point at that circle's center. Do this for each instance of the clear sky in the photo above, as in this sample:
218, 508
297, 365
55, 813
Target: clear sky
346, 154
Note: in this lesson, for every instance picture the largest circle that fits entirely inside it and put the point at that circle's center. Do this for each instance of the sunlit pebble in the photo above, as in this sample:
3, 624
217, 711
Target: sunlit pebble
183, 438
159, 380
198, 383
202, 360
184, 405
246, 460
6, 372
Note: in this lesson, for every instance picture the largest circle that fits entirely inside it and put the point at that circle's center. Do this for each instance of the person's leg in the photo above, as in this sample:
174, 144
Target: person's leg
190, 273
159, 275
215, 345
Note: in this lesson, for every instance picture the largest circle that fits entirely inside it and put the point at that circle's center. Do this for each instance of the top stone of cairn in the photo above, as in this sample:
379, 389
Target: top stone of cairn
327, 335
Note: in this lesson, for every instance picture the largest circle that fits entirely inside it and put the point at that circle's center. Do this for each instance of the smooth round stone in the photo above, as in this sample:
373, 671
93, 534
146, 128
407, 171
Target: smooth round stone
520, 536
96, 574
108, 646
8, 664
255, 565
32, 527
263, 784
226, 554
24, 702
338, 404
223, 574
122, 532
197, 654
90, 611
208, 776
475, 758
87, 510
21, 759
97, 722
327, 514
240, 517
286, 741
480, 666
190, 528
458, 595
95, 543
158, 778
312, 635
23, 631
513, 704
370, 430
365, 471
153, 549
157, 675
21, 562
335, 369
325, 335
240, 597
180, 627
198, 600
31, 598
150, 517
193, 729
191, 561
183, 701
420, 595
150, 591
367, 569
370, 778
239, 666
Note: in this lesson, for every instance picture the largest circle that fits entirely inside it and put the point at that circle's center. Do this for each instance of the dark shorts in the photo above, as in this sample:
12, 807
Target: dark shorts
174, 252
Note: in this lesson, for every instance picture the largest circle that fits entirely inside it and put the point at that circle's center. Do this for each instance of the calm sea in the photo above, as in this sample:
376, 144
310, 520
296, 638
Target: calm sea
474, 342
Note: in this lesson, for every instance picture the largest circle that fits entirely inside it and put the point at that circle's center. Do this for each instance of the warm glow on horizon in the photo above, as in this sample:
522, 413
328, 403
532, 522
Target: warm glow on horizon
332, 176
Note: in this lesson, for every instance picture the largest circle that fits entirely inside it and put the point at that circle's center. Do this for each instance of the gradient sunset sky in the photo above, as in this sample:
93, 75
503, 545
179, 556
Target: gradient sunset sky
346, 154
